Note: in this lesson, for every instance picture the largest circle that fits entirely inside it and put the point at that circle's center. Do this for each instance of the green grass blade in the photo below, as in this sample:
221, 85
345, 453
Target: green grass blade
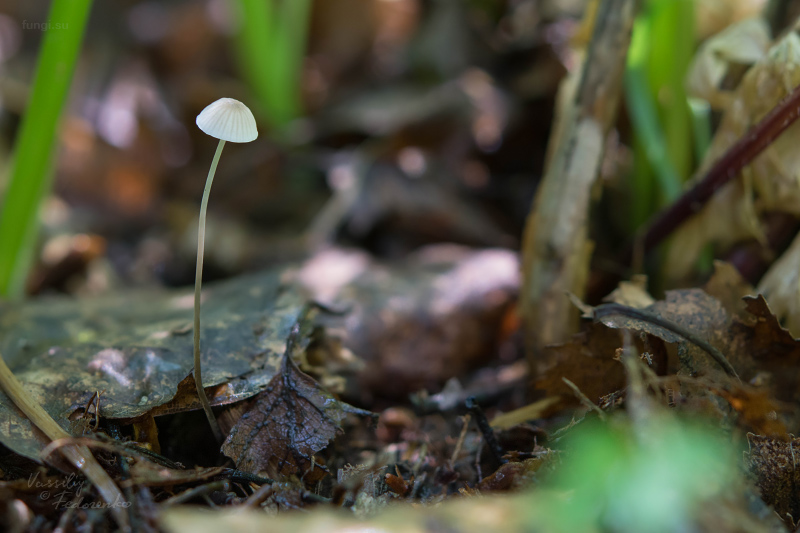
652, 158
672, 46
271, 44
701, 126
290, 47
31, 166
647, 126
255, 49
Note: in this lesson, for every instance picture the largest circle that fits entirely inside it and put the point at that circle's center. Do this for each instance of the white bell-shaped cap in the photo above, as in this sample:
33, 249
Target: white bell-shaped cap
229, 120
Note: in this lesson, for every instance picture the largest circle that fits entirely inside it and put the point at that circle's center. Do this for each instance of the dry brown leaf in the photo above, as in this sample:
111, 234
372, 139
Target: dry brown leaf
774, 464
757, 411
290, 421
512, 476
632, 293
713, 16
419, 323
743, 43
769, 184
704, 316
730, 288
781, 287
773, 354
586, 360
763, 353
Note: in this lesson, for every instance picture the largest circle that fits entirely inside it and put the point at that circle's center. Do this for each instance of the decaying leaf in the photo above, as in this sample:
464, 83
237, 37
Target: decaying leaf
772, 352
698, 312
730, 288
293, 419
134, 347
746, 334
775, 465
758, 412
781, 287
632, 293
742, 43
419, 323
586, 360
769, 184
712, 16
513, 476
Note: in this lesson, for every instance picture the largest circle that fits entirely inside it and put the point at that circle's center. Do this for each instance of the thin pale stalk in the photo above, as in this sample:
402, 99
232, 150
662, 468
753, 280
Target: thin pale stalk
198, 281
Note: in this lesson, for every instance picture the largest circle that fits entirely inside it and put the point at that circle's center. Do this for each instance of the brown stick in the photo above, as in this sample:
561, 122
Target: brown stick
79, 456
556, 249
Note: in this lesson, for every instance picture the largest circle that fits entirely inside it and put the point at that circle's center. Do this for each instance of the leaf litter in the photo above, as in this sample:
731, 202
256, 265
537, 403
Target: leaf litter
133, 349
442, 326
291, 420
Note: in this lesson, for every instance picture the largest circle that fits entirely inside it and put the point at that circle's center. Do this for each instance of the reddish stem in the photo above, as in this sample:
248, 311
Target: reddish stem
724, 170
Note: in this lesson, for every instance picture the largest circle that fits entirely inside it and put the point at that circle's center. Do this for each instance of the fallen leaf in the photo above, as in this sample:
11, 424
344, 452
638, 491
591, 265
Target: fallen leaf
418, 323
632, 293
513, 476
781, 287
742, 43
774, 464
771, 351
769, 183
130, 345
730, 288
588, 360
757, 410
290, 421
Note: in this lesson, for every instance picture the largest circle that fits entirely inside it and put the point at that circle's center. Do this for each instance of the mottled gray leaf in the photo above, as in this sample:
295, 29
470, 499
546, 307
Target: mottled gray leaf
137, 347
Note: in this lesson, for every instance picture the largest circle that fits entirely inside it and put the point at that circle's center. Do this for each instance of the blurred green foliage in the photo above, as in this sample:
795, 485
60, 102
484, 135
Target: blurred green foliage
271, 45
649, 476
31, 168
662, 47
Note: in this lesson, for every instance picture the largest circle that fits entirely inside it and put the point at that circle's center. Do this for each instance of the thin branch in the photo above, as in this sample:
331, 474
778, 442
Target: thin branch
726, 168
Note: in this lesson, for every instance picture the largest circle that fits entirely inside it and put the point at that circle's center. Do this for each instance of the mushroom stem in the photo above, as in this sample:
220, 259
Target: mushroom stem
198, 280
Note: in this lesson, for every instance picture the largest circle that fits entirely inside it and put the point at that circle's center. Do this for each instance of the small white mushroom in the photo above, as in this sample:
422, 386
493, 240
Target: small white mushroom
227, 120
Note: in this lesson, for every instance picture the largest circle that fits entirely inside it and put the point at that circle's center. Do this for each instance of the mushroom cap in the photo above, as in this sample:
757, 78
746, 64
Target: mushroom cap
229, 120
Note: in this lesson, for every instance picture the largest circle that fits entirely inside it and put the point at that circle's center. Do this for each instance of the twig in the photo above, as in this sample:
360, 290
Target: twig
556, 249
194, 492
584, 399
127, 449
486, 430
79, 456
460, 442
723, 170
